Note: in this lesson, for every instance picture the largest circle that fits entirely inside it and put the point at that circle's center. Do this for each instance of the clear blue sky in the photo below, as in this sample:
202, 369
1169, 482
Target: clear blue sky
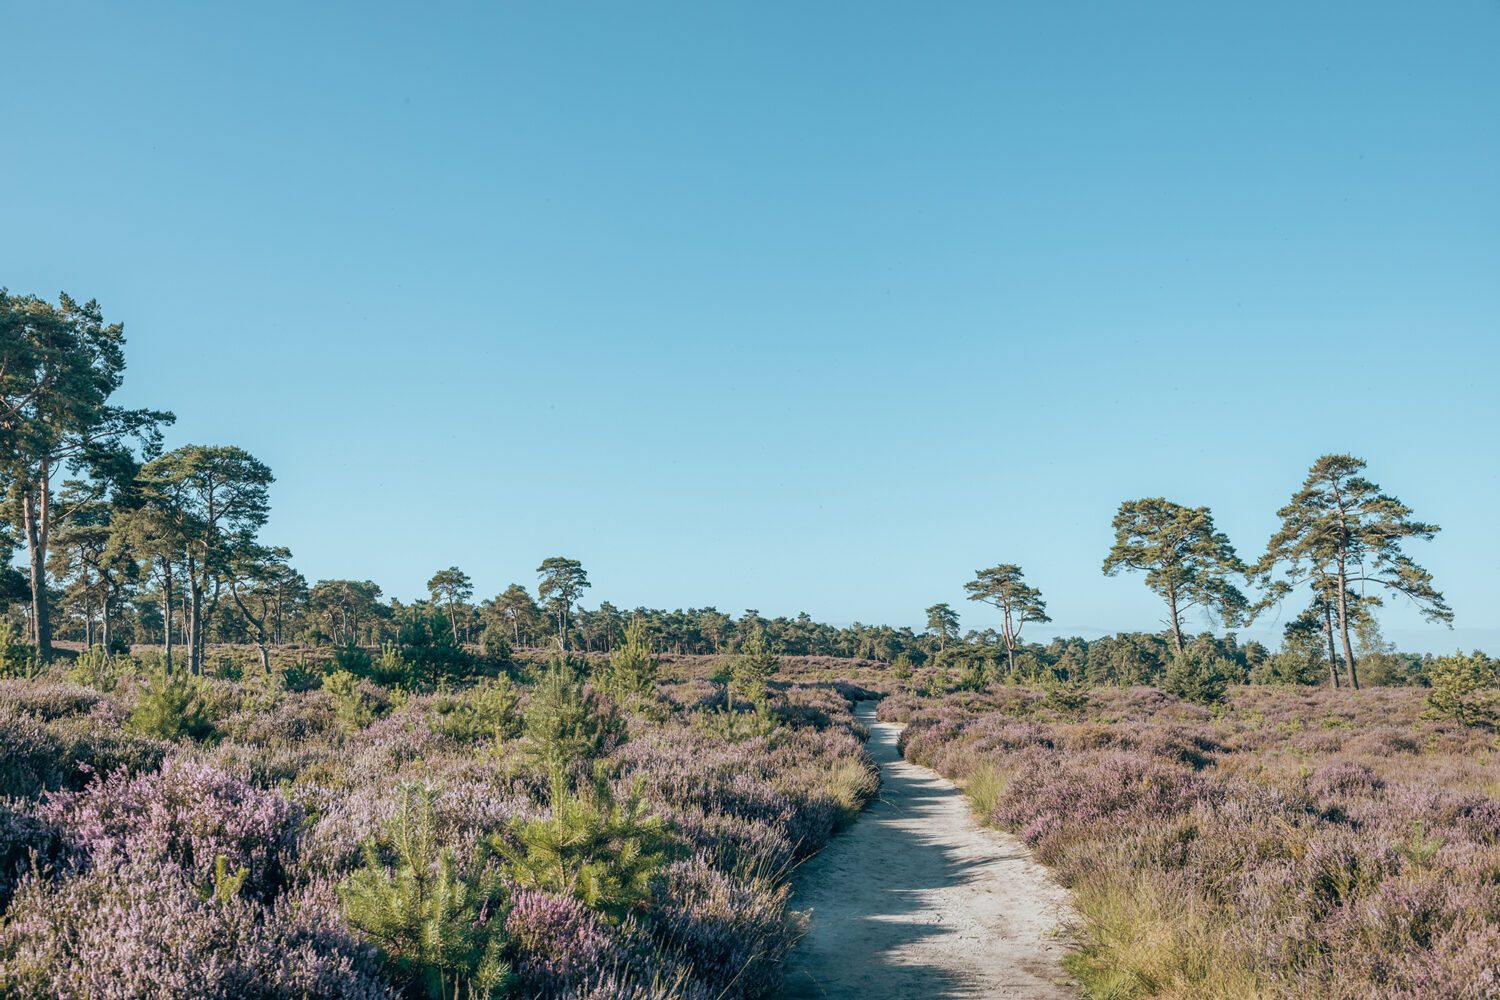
790, 306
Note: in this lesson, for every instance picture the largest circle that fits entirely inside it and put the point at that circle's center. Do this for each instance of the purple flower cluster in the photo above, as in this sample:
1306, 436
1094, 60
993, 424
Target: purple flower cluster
187, 814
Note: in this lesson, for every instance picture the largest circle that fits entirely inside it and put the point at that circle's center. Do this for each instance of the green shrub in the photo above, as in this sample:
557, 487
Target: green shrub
300, 675
735, 727
486, 711
353, 659
1462, 688
1067, 698
1290, 666
172, 707
229, 667
96, 668
564, 723
17, 658
1204, 679
603, 851
439, 921
432, 651
632, 669
751, 669
494, 645
356, 701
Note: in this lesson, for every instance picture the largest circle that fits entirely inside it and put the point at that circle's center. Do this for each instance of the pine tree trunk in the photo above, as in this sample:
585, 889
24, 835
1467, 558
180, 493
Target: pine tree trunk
1344, 626
166, 604
1333, 660
1176, 621
34, 510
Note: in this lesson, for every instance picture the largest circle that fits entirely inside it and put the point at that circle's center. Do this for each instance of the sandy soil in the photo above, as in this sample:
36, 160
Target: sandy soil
918, 900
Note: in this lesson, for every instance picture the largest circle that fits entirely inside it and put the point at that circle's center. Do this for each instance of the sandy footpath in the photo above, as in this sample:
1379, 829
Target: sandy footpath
916, 899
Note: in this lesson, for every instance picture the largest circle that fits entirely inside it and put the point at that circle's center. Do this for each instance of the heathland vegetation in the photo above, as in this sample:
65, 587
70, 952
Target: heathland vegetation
221, 779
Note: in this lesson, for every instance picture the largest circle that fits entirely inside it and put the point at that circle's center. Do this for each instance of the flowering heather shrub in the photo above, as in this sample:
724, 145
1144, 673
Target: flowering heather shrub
1297, 843
31, 758
733, 933
564, 943
285, 794
186, 813
144, 930
288, 722
47, 700
24, 838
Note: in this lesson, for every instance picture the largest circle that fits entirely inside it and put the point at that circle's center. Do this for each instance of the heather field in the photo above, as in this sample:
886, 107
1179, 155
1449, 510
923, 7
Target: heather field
546, 832
1289, 842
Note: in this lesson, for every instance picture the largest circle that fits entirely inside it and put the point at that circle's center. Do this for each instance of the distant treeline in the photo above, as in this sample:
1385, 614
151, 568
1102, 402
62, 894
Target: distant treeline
125, 544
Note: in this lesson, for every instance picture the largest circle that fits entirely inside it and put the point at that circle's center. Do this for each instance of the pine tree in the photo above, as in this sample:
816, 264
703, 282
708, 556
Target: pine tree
1187, 562
602, 850
1339, 533
439, 923
632, 666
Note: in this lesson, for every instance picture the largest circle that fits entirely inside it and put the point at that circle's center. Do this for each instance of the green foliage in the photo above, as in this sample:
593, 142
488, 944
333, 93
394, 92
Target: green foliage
602, 850
430, 651
1204, 679
96, 668
1068, 698
632, 667
228, 667
564, 723
390, 667
1290, 666
486, 711
356, 702
353, 659
17, 659
172, 707
1187, 561
300, 675
1462, 688
735, 727
226, 884
494, 645
974, 676
751, 668
439, 922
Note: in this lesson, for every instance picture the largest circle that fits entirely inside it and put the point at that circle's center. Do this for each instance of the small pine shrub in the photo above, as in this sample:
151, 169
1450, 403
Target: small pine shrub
353, 659
390, 668
1067, 698
17, 658
1290, 666
750, 671
603, 851
439, 922
735, 727
565, 723
356, 702
300, 675
172, 707
1462, 688
96, 668
1203, 679
494, 646
228, 667
486, 712
632, 667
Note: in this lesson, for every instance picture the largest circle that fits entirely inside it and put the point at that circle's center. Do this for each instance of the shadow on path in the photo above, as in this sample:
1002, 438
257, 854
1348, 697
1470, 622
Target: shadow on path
917, 900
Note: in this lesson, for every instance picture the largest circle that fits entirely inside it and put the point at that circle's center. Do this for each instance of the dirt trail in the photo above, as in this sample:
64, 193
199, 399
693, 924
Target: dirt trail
918, 900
